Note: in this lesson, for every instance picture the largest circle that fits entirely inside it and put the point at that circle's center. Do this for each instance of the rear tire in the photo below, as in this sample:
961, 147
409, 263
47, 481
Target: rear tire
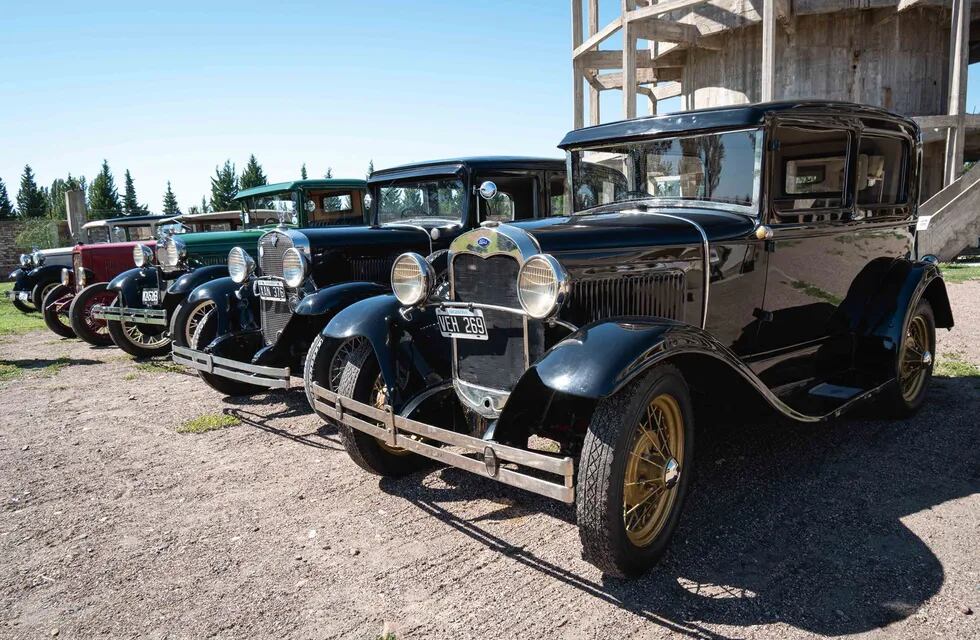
55, 311
634, 473
359, 381
206, 331
83, 324
130, 338
913, 365
41, 291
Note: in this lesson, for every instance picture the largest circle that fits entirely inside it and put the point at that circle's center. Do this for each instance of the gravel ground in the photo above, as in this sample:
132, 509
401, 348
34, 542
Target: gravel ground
114, 524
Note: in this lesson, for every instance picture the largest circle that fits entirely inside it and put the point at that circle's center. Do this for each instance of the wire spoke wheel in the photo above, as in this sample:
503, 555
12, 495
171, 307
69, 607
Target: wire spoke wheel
379, 400
653, 468
340, 358
916, 358
194, 320
95, 325
135, 335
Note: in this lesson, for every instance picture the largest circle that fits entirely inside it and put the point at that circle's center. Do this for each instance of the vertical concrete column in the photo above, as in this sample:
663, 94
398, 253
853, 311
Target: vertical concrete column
75, 206
768, 88
959, 59
594, 115
578, 95
629, 62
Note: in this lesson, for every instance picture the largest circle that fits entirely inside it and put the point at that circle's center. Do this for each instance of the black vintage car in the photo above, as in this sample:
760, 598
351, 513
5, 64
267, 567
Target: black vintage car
761, 251
268, 317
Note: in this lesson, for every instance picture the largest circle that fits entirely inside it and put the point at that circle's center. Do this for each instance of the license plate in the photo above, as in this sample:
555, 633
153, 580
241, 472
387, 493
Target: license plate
23, 296
467, 324
270, 290
151, 296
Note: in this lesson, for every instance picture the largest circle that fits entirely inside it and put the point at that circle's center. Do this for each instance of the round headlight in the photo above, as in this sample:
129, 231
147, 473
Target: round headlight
142, 255
411, 278
65, 277
541, 286
25, 261
240, 265
293, 267
176, 250
37, 258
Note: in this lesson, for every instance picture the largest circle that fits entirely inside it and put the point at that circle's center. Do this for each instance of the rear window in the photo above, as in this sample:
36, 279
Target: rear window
812, 165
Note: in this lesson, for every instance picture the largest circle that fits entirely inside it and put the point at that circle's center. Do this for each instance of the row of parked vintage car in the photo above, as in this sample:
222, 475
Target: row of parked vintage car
555, 325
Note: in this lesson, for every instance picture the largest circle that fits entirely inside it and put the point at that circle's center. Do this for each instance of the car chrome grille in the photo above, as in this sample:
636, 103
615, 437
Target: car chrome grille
658, 294
499, 361
77, 269
272, 246
274, 316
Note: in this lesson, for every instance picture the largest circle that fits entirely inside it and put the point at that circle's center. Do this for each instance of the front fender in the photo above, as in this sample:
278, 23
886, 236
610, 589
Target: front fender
16, 274
189, 281
129, 284
44, 273
375, 319
330, 300
235, 305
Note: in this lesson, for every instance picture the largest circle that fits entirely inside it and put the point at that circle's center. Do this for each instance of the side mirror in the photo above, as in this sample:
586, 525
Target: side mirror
488, 190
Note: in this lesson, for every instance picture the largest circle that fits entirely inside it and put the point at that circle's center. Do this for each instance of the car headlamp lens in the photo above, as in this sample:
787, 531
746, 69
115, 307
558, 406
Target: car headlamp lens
142, 255
293, 267
411, 278
541, 286
37, 258
175, 252
65, 277
240, 265
25, 260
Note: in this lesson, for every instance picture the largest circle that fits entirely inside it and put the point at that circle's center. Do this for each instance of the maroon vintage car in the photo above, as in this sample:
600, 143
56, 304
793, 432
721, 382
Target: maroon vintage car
68, 307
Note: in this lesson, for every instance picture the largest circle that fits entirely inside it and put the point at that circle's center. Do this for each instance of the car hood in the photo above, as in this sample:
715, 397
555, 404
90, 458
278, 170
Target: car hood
111, 247
366, 237
621, 230
214, 242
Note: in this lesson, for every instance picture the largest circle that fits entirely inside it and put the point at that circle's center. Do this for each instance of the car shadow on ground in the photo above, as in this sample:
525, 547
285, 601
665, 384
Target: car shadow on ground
788, 523
30, 364
296, 406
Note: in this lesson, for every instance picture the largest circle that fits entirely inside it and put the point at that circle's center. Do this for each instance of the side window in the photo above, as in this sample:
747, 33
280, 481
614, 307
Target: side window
556, 194
810, 167
140, 233
880, 171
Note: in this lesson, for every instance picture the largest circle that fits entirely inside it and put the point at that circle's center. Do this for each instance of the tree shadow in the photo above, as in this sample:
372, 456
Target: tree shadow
788, 523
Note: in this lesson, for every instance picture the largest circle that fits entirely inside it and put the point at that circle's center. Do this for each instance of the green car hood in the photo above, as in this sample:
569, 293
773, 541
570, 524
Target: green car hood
212, 247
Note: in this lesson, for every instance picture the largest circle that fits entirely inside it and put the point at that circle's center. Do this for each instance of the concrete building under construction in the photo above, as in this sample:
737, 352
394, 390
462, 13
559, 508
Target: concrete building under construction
910, 56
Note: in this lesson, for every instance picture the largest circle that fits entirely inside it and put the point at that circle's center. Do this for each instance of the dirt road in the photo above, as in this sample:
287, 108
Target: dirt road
115, 525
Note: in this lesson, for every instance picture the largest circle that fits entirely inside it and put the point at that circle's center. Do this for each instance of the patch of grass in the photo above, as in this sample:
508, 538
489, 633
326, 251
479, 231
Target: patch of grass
953, 366
11, 370
814, 291
159, 366
132, 375
14, 321
54, 367
957, 273
208, 422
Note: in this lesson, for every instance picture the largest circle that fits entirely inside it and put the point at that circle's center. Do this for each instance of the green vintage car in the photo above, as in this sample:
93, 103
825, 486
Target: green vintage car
152, 309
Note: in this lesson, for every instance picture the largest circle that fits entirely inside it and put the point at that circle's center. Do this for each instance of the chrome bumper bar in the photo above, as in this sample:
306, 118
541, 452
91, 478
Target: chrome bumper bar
23, 296
270, 377
127, 314
493, 460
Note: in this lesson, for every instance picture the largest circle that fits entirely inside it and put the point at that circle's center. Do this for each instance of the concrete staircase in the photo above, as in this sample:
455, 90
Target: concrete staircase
949, 222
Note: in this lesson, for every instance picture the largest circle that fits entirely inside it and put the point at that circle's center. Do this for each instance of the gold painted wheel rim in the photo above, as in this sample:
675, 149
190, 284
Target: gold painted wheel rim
916, 358
653, 468
379, 399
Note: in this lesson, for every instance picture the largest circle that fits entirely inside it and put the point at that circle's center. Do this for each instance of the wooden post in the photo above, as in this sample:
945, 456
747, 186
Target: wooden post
578, 95
768, 50
959, 43
629, 63
594, 115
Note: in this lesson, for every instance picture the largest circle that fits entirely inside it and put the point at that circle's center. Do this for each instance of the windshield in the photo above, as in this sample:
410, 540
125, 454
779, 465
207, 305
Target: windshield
723, 168
438, 199
271, 209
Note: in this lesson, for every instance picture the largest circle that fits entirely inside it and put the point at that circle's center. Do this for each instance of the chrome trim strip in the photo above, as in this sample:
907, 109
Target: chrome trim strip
127, 314
269, 377
386, 426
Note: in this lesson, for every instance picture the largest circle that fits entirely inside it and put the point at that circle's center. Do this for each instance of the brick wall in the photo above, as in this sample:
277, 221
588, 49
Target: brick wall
9, 252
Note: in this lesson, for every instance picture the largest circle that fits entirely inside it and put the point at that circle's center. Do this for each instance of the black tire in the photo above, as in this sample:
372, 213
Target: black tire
40, 292
314, 369
894, 401
206, 331
324, 365
23, 307
81, 324
600, 490
55, 313
130, 339
360, 374
184, 321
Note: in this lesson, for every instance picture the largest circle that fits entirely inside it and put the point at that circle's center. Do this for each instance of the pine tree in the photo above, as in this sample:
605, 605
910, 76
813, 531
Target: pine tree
329, 173
252, 176
57, 208
224, 186
6, 209
170, 207
302, 172
412, 199
204, 208
30, 200
370, 167
103, 198
131, 204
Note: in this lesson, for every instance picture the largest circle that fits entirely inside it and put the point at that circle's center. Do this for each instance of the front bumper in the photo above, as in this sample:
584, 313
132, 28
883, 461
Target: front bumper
23, 296
500, 462
269, 377
130, 314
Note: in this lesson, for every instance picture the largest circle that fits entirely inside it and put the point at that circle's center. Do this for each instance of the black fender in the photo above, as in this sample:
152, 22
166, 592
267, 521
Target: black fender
332, 299
16, 274
22, 280
189, 281
406, 342
130, 284
34, 277
235, 304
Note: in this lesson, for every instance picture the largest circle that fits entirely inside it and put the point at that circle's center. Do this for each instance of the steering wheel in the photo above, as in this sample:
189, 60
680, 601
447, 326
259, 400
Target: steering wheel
411, 212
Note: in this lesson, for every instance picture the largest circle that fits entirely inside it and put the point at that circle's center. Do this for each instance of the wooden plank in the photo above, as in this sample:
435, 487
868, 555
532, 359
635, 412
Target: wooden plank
601, 36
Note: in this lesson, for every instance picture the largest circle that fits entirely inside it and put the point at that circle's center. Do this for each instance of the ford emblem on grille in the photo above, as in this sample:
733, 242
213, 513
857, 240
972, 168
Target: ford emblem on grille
483, 242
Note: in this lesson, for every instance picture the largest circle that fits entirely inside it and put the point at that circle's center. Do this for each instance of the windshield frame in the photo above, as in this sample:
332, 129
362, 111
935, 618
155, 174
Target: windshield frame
753, 210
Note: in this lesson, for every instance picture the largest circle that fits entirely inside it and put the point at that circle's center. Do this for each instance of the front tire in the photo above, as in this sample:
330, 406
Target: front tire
23, 307
634, 472
361, 380
205, 333
41, 291
55, 310
93, 331
131, 338
186, 317
913, 366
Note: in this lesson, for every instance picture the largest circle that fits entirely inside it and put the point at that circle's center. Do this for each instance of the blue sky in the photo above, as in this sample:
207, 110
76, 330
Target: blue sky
171, 90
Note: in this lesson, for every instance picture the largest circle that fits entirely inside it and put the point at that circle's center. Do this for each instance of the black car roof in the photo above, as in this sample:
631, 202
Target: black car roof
449, 166
728, 117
